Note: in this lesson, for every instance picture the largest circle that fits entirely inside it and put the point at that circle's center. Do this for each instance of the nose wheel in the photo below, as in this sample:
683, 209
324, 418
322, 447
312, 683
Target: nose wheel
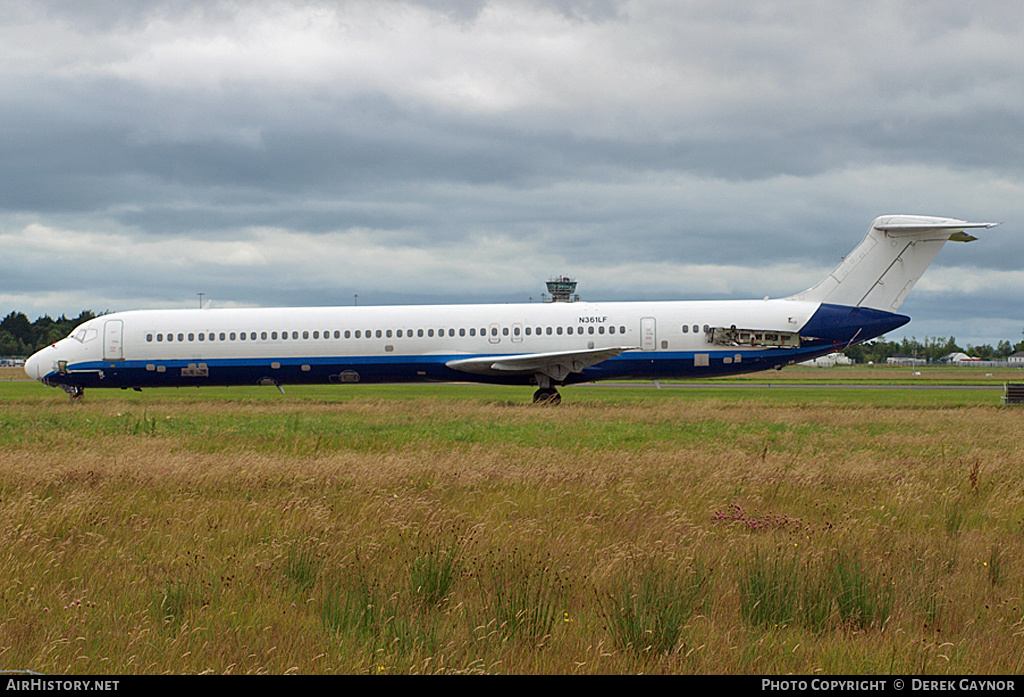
74, 391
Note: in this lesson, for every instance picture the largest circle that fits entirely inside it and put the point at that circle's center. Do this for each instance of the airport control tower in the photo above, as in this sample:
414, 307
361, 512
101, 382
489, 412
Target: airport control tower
562, 290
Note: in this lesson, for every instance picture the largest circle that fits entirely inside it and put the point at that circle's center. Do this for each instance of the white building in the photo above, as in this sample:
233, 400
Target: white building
905, 360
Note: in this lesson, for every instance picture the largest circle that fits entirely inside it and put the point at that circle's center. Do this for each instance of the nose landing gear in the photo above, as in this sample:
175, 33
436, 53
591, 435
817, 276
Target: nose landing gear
74, 392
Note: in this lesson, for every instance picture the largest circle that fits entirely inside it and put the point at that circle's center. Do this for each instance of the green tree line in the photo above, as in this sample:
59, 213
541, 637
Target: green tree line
20, 338
931, 349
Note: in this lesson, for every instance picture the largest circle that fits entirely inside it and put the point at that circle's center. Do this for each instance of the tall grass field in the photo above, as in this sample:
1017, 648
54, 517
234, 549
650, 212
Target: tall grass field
461, 529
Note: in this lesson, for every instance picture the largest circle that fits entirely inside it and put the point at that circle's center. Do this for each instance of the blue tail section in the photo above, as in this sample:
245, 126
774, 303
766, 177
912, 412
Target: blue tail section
843, 324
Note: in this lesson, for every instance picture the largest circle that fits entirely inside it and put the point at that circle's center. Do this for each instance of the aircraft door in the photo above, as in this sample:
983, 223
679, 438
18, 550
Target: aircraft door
113, 340
648, 334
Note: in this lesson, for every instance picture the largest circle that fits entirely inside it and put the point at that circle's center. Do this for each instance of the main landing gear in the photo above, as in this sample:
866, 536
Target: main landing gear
547, 395
546, 392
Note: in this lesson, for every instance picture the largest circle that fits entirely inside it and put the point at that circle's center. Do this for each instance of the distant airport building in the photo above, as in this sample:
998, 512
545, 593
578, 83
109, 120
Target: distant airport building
562, 290
905, 360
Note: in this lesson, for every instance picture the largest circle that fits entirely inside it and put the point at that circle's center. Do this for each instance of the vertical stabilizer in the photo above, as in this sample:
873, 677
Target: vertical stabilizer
893, 255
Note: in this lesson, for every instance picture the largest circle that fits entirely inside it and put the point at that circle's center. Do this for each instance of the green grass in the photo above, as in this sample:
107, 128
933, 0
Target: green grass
648, 605
460, 529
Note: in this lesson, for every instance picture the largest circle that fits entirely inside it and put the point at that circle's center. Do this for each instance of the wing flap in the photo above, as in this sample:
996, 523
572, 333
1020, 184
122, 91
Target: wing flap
556, 365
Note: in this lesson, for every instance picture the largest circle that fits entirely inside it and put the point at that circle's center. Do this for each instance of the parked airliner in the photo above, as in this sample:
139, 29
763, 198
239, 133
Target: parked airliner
543, 344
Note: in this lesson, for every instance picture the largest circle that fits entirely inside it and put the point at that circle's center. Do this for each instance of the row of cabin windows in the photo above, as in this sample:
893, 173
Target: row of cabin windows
380, 333
696, 328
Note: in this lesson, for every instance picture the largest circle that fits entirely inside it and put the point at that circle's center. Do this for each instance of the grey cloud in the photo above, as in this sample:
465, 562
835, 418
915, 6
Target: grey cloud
747, 135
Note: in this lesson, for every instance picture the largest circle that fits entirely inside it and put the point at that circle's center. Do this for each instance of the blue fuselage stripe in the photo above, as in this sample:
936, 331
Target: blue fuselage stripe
382, 369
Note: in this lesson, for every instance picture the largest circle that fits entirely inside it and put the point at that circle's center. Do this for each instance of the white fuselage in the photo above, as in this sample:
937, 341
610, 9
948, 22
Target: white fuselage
545, 344
406, 343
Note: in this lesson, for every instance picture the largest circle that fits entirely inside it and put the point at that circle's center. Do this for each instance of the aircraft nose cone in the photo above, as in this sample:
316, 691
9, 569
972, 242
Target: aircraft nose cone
34, 366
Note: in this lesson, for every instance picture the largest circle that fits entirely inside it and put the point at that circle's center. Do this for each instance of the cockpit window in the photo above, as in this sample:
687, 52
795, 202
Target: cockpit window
84, 334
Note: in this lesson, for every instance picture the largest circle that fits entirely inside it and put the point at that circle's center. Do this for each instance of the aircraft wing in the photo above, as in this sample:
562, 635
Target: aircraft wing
556, 364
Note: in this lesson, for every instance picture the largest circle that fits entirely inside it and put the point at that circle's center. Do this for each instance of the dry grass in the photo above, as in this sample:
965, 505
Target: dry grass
424, 535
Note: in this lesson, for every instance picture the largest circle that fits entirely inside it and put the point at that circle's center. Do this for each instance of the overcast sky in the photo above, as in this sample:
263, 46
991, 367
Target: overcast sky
301, 153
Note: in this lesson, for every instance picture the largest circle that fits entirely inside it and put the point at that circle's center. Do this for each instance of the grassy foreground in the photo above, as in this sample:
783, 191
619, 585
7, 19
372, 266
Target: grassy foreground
459, 529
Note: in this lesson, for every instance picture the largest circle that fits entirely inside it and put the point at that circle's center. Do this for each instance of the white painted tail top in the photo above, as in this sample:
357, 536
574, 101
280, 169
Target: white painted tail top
883, 268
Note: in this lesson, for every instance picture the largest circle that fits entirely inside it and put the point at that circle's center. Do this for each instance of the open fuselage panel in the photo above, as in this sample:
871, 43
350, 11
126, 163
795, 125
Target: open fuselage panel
754, 338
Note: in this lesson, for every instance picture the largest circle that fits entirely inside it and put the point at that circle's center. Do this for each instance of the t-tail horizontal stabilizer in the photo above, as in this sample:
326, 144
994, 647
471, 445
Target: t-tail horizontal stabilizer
890, 259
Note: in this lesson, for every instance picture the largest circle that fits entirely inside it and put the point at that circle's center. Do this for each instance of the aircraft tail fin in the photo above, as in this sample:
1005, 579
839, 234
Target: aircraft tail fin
890, 259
